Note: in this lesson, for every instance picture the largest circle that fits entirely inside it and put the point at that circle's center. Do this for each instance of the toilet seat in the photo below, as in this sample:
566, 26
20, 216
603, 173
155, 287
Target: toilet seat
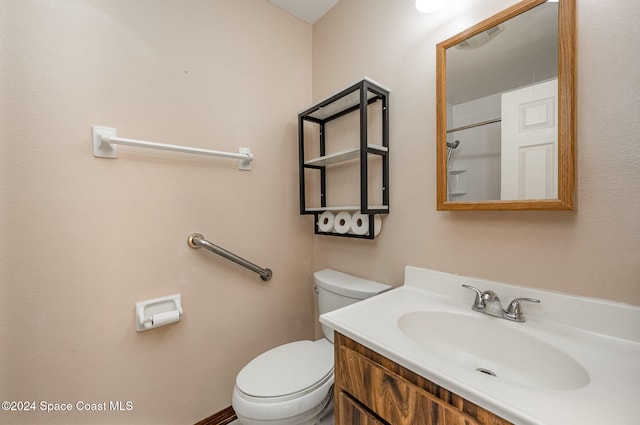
287, 371
291, 380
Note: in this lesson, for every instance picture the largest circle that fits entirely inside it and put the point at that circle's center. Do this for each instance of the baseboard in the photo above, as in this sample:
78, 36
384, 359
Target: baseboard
223, 417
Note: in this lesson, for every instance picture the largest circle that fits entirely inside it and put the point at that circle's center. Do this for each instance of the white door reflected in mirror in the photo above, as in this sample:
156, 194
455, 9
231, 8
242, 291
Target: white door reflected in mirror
529, 142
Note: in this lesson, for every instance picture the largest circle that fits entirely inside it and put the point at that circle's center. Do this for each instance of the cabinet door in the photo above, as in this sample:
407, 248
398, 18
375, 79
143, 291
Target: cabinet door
393, 398
352, 413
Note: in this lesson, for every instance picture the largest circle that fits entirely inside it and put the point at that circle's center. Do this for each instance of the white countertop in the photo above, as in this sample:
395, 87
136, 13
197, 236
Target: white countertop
602, 336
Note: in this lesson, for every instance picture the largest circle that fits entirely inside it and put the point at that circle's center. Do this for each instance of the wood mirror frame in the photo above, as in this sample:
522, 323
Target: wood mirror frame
566, 114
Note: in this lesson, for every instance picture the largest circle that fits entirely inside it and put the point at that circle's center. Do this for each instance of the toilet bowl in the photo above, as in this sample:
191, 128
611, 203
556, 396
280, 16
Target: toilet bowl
292, 384
289, 384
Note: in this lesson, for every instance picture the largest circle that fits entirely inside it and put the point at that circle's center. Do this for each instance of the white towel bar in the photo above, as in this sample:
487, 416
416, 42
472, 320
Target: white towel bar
104, 146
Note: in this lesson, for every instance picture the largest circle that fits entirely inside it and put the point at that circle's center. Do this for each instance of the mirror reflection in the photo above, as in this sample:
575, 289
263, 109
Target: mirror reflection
506, 110
502, 87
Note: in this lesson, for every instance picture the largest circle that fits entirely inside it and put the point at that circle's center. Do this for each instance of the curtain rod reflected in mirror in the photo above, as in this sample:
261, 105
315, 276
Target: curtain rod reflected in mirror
506, 95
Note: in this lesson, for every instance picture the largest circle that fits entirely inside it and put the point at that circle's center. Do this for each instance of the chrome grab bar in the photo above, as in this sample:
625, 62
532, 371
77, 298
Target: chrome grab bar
196, 240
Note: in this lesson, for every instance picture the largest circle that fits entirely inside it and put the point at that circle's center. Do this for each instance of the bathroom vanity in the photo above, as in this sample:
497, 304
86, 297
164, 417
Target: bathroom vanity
419, 354
370, 387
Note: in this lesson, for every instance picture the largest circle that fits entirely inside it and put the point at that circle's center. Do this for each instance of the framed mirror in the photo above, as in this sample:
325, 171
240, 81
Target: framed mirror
506, 111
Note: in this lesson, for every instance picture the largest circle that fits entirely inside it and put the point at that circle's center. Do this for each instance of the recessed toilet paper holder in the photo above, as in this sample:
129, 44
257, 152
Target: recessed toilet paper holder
158, 312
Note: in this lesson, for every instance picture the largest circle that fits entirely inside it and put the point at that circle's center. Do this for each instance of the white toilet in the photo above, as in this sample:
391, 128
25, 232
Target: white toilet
292, 384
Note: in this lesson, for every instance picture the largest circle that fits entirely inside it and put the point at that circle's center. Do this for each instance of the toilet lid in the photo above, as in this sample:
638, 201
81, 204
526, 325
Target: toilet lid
287, 369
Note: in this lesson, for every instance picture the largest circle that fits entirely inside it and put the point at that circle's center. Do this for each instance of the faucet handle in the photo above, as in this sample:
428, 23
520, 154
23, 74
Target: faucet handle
478, 303
514, 311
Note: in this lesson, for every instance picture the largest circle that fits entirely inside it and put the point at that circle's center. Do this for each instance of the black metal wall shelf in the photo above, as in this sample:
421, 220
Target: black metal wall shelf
357, 99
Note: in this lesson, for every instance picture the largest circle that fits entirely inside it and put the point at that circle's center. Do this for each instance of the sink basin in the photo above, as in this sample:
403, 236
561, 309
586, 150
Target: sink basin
575, 361
494, 349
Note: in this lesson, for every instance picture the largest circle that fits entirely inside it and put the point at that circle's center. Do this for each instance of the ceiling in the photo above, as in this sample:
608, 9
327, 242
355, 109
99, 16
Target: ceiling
307, 10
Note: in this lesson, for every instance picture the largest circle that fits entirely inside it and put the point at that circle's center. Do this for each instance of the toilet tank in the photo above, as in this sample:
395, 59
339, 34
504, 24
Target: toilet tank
336, 290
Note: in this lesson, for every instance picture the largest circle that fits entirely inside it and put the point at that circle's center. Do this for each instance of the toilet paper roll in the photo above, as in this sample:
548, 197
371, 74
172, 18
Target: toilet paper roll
342, 223
326, 222
161, 319
360, 224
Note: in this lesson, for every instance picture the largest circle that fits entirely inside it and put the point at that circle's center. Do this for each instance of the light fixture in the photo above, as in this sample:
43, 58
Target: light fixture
429, 6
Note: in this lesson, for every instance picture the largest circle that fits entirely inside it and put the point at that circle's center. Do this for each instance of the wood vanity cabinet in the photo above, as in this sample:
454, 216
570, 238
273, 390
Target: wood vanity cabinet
373, 390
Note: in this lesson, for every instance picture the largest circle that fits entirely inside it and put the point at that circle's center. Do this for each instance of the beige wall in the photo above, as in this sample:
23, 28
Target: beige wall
594, 251
84, 238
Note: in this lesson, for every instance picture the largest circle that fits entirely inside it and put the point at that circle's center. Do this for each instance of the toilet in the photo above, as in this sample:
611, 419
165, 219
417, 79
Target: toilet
292, 384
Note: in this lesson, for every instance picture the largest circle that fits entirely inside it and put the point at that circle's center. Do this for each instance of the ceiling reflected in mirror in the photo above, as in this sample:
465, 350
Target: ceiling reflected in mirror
517, 52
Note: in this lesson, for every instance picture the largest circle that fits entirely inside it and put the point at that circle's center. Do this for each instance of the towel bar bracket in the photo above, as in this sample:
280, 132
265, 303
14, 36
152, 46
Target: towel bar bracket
100, 149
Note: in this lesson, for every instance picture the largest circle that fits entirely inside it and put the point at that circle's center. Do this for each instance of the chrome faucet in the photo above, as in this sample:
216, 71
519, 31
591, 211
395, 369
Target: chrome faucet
488, 302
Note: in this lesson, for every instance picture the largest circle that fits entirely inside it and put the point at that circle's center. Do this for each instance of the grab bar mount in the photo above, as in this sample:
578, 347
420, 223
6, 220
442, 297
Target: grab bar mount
196, 240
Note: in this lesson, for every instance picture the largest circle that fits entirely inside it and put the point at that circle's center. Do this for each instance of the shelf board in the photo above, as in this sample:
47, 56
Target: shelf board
339, 105
346, 208
343, 156
346, 100
461, 171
